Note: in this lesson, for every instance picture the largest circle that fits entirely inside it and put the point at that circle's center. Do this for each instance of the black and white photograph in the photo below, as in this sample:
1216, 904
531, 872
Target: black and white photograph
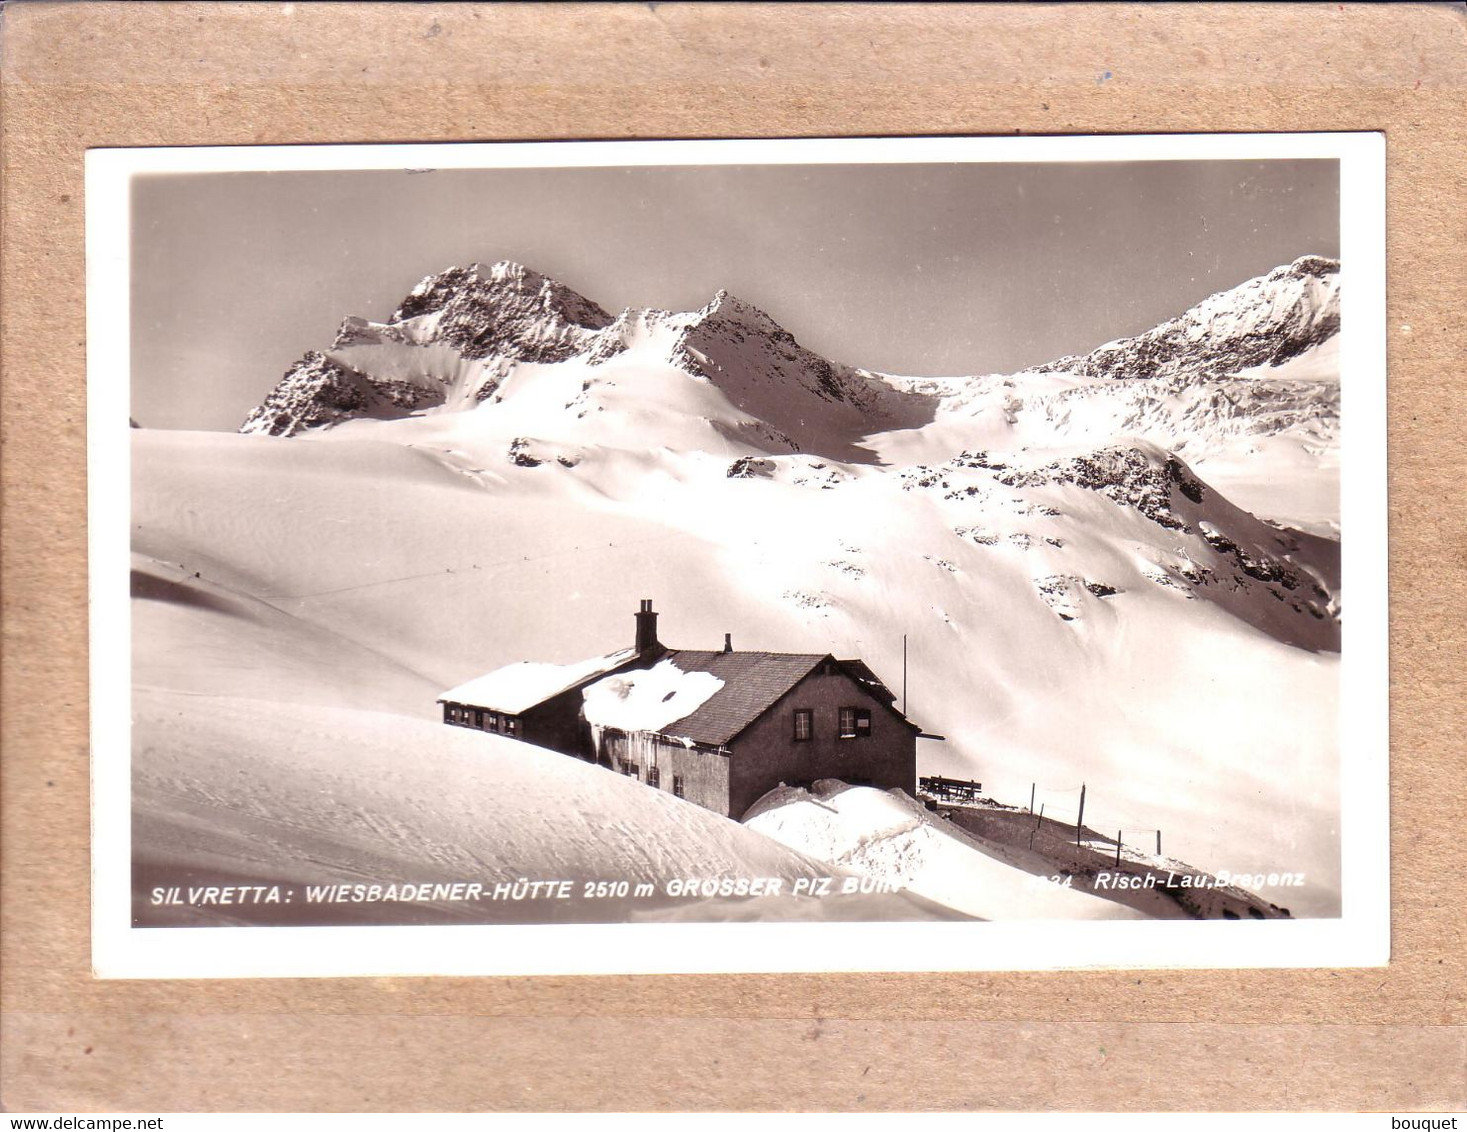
879, 554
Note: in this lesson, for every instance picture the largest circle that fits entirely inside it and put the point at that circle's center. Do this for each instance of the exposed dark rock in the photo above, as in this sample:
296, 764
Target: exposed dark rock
519, 454
749, 467
1128, 476
318, 391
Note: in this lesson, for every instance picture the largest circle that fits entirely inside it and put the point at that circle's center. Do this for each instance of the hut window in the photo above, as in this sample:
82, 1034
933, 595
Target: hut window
677, 785
855, 723
511, 725
653, 777
631, 770
804, 724
491, 721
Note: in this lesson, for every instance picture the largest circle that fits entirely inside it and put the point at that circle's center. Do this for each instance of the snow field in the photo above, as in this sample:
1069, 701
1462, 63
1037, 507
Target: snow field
1178, 714
892, 838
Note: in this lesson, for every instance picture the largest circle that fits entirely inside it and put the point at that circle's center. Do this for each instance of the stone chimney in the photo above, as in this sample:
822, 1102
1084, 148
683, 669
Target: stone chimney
647, 629
728, 642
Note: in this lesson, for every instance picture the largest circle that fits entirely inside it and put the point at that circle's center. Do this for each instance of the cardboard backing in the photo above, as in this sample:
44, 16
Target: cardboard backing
118, 74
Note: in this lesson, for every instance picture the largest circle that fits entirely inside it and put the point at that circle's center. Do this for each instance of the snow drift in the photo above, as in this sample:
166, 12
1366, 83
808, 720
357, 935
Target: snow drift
889, 837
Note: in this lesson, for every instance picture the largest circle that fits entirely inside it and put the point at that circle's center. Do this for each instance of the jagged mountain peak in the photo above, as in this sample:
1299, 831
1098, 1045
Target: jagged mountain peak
729, 307
448, 344
505, 287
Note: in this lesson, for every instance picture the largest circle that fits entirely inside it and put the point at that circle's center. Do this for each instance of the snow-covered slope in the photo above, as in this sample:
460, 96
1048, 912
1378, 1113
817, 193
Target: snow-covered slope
889, 837
1245, 385
305, 795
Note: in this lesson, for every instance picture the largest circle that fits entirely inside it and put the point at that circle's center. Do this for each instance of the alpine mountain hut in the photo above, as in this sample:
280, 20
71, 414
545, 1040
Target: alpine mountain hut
720, 728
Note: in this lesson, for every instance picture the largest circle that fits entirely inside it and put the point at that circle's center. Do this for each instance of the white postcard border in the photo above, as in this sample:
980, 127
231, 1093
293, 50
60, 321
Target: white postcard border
1359, 937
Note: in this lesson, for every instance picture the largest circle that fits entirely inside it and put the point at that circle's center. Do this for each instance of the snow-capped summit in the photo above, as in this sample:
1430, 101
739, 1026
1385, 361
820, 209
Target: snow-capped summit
457, 337
760, 367
1264, 322
732, 309
506, 309
448, 345
1249, 370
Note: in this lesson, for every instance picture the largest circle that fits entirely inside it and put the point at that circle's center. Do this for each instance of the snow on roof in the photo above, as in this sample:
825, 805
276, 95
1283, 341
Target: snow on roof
519, 687
648, 699
703, 697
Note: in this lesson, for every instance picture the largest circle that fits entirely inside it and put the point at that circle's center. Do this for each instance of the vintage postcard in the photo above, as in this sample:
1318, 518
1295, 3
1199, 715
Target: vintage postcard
884, 554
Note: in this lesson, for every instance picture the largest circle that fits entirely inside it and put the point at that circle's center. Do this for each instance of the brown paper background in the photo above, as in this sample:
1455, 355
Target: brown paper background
122, 74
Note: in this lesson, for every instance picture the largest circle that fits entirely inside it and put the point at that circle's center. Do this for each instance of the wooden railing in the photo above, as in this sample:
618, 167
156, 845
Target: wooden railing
950, 789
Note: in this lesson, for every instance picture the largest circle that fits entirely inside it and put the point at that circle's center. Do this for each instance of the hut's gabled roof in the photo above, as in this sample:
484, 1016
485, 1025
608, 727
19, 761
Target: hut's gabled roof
752, 683
860, 672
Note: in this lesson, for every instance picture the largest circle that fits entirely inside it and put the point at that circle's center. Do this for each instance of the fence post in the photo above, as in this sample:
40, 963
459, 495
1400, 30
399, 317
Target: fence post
1080, 818
1158, 843
1031, 796
1118, 847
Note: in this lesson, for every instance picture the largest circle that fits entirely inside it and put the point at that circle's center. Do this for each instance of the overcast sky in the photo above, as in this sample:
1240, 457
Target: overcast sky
914, 269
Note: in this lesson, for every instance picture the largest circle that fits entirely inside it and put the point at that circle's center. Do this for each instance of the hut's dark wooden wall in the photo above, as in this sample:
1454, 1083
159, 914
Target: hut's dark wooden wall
767, 753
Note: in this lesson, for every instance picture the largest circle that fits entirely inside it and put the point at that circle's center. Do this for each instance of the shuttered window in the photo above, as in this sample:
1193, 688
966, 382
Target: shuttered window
855, 723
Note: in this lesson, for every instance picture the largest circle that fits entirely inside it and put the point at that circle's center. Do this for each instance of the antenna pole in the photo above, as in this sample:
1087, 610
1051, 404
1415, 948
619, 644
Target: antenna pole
904, 674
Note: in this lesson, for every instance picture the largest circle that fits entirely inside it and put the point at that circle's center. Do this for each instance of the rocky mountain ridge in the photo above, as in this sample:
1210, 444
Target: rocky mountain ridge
459, 334
1263, 322
506, 310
